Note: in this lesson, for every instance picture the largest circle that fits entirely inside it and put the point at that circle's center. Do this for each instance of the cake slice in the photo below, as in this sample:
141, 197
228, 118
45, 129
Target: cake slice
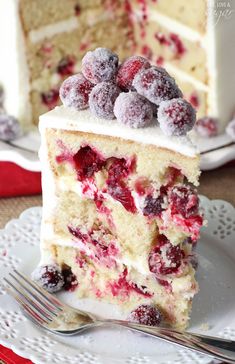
120, 211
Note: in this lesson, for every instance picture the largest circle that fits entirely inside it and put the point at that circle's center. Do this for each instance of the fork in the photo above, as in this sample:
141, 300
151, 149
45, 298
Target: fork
48, 312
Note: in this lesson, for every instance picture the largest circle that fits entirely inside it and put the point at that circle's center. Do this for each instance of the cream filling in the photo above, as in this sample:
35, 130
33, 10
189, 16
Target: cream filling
50, 30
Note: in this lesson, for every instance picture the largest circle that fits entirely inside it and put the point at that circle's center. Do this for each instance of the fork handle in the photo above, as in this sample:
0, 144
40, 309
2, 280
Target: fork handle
221, 349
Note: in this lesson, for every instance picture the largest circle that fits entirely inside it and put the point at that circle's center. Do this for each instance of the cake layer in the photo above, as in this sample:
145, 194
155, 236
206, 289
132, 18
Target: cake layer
192, 13
168, 46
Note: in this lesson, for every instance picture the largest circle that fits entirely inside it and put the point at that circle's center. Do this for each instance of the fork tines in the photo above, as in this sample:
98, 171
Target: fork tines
40, 305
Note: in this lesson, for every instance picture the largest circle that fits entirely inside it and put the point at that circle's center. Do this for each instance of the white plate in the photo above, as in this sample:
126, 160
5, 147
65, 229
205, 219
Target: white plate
213, 306
215, 152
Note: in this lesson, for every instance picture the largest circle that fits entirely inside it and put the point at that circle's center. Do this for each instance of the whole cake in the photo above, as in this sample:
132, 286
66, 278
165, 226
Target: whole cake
44, 42
121, 216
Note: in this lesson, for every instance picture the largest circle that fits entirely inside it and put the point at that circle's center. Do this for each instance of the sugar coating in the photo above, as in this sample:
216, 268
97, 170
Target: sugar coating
128, 69
49, 277
176, 117
207, 127
133, 110
100, 65
9, 127
230, 130
102, 99
156, 85
146, 315
74, 92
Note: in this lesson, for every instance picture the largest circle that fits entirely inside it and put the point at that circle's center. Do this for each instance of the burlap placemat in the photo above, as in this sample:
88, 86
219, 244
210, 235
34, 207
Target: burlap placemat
11, 208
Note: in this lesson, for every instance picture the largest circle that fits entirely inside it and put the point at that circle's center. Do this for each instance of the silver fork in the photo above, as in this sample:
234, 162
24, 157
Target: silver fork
48, 312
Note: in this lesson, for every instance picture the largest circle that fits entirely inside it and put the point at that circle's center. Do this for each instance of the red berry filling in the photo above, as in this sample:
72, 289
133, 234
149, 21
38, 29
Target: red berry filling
66, 66
128, 69
153, 206
165, 258
87, 162
173, 42
119, 169
50, 98
146, 315
194, 100
70, 280
183, 200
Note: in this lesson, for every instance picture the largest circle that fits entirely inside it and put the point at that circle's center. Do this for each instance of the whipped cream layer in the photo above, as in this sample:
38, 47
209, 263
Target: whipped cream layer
70, 119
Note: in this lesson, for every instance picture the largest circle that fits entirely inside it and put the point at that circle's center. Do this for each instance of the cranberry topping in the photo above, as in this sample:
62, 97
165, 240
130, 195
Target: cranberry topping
117, 172
87, 162
50, 98
49, 277
133, 110
207, 126
183, 200
156, 85
100, 65
102, 99
74, 92
128, 69
153, 206
70, 280
66, 66
146, 315
165, 258
176, 117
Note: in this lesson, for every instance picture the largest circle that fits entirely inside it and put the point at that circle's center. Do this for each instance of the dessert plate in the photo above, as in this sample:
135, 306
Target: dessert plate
213, 309
215, 151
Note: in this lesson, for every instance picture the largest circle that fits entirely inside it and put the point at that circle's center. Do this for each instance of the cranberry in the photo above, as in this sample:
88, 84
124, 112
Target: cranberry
50, 98
117, 172
230, 130
9, 127
177, 45
49, 277
87, 162
194, 100
133, 110
183, 200
66, 66
128, 69
77, 10
207, 126
153, 206
146, 51
156, 85
176, 117
74, 92
70, 280
146, 315
165, 258
100, 65
102, 99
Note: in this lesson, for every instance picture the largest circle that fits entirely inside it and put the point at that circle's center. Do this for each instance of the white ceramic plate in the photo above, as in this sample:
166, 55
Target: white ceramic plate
215, 152
213, 309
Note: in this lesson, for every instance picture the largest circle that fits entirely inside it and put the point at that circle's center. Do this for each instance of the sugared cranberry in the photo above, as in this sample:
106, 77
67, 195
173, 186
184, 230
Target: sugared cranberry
133, 110
87, 162
128, 69
50, 98
100, 65
156, 85
230, 130
146, 315
9, 127
66, 66
49, 277
165, 258
74, 92
176, 117
183, 200
102, 99
70, 280
153, 206
207, 127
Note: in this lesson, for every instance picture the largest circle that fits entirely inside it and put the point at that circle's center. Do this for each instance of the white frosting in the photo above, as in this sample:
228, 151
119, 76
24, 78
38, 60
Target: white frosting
84, 121
50, 30
14, 73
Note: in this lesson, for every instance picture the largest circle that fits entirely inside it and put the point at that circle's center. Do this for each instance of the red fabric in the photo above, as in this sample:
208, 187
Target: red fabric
9, 357
16, 181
